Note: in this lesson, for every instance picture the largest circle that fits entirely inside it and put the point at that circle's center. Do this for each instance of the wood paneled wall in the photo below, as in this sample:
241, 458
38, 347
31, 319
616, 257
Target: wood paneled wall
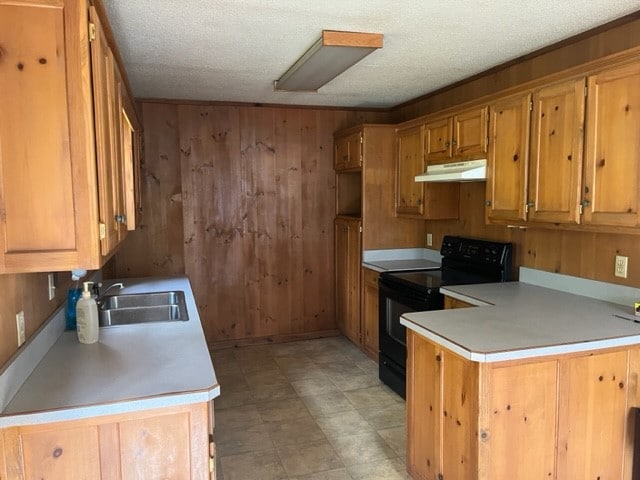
27, 292
582, 254
251, 191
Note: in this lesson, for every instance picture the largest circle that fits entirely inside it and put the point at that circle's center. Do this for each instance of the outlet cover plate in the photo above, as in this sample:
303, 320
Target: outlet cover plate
621, 266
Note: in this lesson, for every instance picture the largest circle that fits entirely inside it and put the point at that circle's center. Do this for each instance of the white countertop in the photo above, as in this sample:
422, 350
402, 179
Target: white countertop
131, 368
399, 259
517, 320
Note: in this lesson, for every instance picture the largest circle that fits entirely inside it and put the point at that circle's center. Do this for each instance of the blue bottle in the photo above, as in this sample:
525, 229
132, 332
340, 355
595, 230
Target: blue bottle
72, 298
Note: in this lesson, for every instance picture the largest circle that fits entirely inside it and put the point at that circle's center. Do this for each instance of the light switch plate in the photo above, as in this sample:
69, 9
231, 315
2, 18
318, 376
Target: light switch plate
22, 334
52, 287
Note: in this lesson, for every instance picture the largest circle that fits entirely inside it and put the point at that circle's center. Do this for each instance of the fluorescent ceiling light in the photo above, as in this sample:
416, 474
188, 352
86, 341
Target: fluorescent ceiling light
326, 59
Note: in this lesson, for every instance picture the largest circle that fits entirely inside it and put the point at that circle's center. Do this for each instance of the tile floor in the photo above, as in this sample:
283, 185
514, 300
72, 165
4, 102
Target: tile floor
311, 410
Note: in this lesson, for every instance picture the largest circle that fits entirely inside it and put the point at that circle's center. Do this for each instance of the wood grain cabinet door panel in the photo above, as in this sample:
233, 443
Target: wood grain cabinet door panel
612, 161
470, 134
508, 160
409, 163
555, 173
438, 137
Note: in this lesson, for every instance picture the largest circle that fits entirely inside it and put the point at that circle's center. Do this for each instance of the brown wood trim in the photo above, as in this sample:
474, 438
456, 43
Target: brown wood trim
351, 39
290, 337
220, 103
562, 43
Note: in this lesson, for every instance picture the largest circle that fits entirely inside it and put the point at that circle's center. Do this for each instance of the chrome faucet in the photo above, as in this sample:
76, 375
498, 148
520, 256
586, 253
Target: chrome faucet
99, 295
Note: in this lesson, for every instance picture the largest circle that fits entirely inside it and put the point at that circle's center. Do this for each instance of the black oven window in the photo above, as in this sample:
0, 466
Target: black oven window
394, 329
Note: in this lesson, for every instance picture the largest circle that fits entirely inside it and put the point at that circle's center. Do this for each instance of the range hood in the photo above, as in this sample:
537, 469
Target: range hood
471, 171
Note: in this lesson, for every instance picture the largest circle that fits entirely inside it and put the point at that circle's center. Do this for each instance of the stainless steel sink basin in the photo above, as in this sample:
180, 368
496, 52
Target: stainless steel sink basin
143, 308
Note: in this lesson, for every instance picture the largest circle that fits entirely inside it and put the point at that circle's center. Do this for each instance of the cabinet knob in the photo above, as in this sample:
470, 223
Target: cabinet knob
121, 218
487, 203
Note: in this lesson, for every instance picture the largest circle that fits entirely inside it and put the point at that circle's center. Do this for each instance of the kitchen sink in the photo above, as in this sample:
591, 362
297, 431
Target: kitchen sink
143, 308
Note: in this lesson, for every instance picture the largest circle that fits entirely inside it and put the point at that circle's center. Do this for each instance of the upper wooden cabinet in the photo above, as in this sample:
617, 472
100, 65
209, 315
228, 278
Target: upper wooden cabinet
611, 193
348, 152
51, 188
507, 164
419, 199
462, 136
556, 153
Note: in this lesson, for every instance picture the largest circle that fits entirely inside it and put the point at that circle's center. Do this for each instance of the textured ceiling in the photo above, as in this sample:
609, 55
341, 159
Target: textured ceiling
233, 50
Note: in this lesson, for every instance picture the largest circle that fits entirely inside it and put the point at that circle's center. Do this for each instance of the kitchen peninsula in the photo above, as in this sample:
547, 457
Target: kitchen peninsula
531, 383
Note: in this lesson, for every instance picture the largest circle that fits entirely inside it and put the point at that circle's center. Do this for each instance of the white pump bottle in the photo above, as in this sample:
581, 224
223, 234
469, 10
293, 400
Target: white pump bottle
87, 317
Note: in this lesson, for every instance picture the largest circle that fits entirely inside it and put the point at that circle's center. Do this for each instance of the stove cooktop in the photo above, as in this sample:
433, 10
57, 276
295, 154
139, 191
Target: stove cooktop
424, 279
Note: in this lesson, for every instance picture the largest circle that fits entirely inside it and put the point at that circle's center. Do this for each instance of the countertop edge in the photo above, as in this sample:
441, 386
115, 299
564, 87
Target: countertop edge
101, 410
464, 298
520, 354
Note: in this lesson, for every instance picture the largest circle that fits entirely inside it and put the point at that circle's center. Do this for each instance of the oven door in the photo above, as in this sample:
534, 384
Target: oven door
394, 302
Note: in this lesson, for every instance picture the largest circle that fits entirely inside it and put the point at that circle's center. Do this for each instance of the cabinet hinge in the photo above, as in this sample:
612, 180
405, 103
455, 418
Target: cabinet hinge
360, 228
361, 139
103, 231
531, 106
92, 31
212, 464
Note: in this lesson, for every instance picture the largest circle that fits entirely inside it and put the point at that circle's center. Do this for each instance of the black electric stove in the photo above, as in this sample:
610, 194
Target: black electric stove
464, 261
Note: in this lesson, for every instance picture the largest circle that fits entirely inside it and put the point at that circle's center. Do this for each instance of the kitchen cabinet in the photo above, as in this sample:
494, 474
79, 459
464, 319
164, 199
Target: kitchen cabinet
347, 151
170, 442
52, 189
611, 193
348, 260
450, 302
466, 420
555, 170
509, 125
457, 137
370, 325
419, 199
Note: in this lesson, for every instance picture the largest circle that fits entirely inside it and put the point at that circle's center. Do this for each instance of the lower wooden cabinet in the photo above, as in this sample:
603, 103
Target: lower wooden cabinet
450, 302
348, 260
369, 323
560, 417
172, 443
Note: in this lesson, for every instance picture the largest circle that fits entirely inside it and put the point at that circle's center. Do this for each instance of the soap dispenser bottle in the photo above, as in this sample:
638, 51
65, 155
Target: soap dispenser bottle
87, 316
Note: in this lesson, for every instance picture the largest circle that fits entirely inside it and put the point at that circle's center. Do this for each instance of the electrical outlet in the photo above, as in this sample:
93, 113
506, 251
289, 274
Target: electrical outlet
52, 287
429, 239
621, 266
22, 334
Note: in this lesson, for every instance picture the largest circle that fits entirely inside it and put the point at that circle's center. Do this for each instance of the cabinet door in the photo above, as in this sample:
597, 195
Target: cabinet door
508, 159
370, 312
424, 380
518, 424
593, 392
555, 173
409, 163
47, 219
460, 406
130, 170
107, 108
470, 134
348, 152
612, 161
348, 266
439, 140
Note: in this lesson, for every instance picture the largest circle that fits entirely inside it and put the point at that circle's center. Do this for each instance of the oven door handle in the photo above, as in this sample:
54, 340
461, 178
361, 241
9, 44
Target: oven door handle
394, 367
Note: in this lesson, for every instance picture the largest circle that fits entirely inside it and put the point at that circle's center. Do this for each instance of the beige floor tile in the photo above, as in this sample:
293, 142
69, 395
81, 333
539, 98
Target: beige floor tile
342, 424
346, 367
394, 415
396, 438
370, 398
263, 465
243, 440
231, 380
234, 397
295, 431
226, 368
392, 469
327, 404
368, 366
306, 458
339, 474
347, 383
282, 410
258, 365
314, 386
362, 448
327, 355
269, 377
269, 393
303, 373
237, 418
